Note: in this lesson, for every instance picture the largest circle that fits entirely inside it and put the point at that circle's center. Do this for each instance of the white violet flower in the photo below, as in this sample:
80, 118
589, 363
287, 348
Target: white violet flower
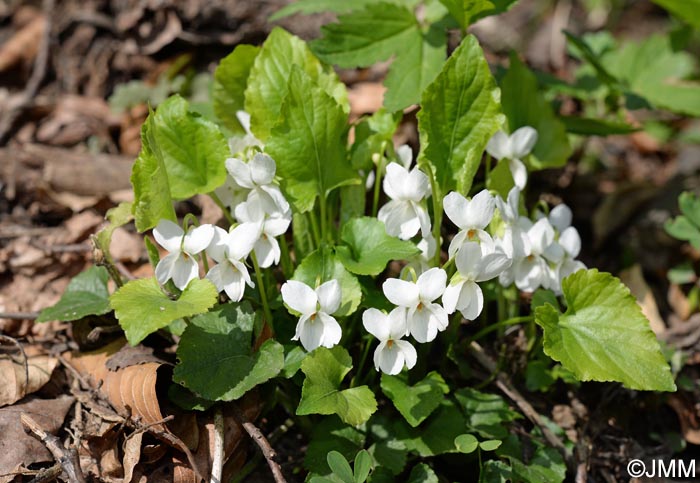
229, 250
317, 327
514, 148
405, 214
257, 176
238, 144
471, 216
532, 271
392, 353
424, 317
180, 264
265, 229
514, 241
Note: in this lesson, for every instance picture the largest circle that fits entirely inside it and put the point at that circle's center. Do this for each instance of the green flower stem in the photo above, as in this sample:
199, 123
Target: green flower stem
205, 262
378, 180
287, 266
498, 326
315, 234
324, 219
363, 359
220, 204
437, 212
262, 290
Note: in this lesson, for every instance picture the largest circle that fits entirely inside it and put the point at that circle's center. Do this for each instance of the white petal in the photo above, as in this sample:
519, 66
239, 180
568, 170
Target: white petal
218, 245
409, 352
329, 296
530, 274
332, 332
571, 241
198, 239
422, 324
276, 226
431, 284
164, 269
492, 264
369, 181
262, 169
405, 154
400, 219
185, 269
267, 251
390, 359
240, 172
377, 323
274, 203
235, 287
457, 242
451, 296
423, 219
397, 323
522, 141
394, 181
310, 332
519, 172
220, 275
541, 235
378, 355
468, 260
560, 217
554, 252
417, 185
242, 239
456, 209
471, 301
299, 297
480, 210
499, 145
168, 235
251, 211
400, 292
244, 118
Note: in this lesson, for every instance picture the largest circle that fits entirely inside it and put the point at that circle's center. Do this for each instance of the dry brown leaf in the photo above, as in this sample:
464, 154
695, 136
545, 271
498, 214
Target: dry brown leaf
17, 447
678, 301
15, 383
690, 424
634, 279
22, 47
132, 454
365, 98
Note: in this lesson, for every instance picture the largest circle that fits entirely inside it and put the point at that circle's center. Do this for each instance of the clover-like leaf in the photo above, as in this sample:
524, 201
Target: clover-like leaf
486, 413
466, 443
142, 308
86, 294
320, 394
216, 356
603, 335
417, 402
369, 247
460, 111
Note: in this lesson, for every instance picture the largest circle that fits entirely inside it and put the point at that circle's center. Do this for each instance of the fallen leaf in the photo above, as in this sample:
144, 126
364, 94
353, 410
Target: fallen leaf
15, 383
678, 301
17, 447
690, 425
132, 454
634, 279
23, 45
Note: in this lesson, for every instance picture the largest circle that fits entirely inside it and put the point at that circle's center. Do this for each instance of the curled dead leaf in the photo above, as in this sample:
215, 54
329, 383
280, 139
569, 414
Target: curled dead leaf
16, 381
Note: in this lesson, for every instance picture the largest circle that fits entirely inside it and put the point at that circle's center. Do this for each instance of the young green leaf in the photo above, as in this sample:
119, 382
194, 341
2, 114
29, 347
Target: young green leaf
309, 143
322, 266
595, 127
490, 445
417, 402
268, 81
524, 105
437, 434
682, 229
370, 133
686, 10
142, 308
486, 413
118, 216
325, 370
422, 473
340, 467
318, 6
331, 433
369, 248
362, 466
377, 32
603, 335
230, 81
466, 443
466, 12
192, 148
149, 177
690, 207
86, 294
216, 356
460, 112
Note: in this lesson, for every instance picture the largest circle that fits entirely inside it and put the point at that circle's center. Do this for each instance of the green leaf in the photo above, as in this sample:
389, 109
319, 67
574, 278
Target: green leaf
325, 370
331, 433
193, 149
595, 127
216, 357
388, 451
142, 308
437, 434
322, 266
486, 413
377, 32
370, 134
86, 294
340, 467
422, 473
230, 81
362, 466
466, 443
293, 357
496, 471
525, 105
417, 402
603, 335
490, 445
118, 216
686, 10
149, 177
309, 144
460, 112
316, 6
690, 207
369, 248
466, 12
682, 229
268, 80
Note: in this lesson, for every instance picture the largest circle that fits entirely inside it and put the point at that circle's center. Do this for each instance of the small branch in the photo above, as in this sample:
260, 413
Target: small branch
67, 458
19, 315
49, 474
262, 442
217, 466
503, 383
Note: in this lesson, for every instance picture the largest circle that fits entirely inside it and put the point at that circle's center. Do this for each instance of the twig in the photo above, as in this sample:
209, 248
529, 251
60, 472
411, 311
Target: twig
49, 474
217, 465
262, 442
16, 343
504, 384
68, 458
38, 73
19, 315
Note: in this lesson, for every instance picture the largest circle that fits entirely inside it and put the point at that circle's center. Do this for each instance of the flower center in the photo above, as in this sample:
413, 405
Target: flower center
389, 343
471, 234
313, 317
530, 258
420, 306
